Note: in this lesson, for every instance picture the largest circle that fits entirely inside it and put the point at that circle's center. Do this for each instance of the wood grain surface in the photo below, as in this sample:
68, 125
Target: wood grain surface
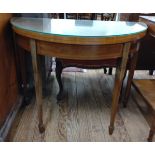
8, 81
84, 113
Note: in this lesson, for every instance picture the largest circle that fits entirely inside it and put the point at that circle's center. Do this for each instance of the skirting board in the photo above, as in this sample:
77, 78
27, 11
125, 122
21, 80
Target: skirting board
6, 127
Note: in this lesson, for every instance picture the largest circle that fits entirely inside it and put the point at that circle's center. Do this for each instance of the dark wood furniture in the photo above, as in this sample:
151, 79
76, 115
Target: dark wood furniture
5, 68
146, 58
9, 94
50, 40
146, 88
147, 50
146, 54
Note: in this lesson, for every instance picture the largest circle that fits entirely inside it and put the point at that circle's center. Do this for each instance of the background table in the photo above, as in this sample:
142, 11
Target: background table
146, 87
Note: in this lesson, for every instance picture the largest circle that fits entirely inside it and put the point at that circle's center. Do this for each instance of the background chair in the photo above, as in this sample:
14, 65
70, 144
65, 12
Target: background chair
91, 64
63, 63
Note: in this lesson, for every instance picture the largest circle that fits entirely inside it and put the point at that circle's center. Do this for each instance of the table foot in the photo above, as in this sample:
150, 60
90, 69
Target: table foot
111, 129
41, 128
149, 139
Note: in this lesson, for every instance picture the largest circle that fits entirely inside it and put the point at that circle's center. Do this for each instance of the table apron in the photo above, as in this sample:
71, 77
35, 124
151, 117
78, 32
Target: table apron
73, 51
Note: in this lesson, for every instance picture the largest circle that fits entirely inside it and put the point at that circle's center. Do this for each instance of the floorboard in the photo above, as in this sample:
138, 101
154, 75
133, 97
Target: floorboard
84, 113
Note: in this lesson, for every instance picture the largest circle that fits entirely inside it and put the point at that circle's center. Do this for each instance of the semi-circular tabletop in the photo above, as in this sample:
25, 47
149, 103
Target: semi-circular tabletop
83, 32
78, 40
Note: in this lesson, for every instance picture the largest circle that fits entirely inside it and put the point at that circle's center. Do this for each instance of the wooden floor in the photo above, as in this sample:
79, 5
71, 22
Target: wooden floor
84, 113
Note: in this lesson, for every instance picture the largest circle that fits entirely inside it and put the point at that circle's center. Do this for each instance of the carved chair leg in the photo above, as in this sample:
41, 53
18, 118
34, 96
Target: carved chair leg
50, 69
58, 70
105, 70
110, 71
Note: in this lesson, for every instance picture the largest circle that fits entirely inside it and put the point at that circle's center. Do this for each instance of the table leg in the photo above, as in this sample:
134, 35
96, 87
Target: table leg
152, 130
130, 77
38, 83
120, 71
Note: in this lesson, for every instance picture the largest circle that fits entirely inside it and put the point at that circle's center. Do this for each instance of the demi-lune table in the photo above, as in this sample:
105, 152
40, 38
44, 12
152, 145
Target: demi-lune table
78, 40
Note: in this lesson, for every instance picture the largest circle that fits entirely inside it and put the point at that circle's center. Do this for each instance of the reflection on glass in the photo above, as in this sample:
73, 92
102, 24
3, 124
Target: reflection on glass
83, 28
130, 23
83, 22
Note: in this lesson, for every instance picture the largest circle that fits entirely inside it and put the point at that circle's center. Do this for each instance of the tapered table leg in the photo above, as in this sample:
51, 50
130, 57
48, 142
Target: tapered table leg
38, 83
133, 62
120, 71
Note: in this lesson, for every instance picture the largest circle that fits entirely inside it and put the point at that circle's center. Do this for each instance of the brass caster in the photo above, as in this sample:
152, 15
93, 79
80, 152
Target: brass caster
111, 129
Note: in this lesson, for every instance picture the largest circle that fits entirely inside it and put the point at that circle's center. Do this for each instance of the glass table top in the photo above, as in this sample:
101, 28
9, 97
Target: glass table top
78, 28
